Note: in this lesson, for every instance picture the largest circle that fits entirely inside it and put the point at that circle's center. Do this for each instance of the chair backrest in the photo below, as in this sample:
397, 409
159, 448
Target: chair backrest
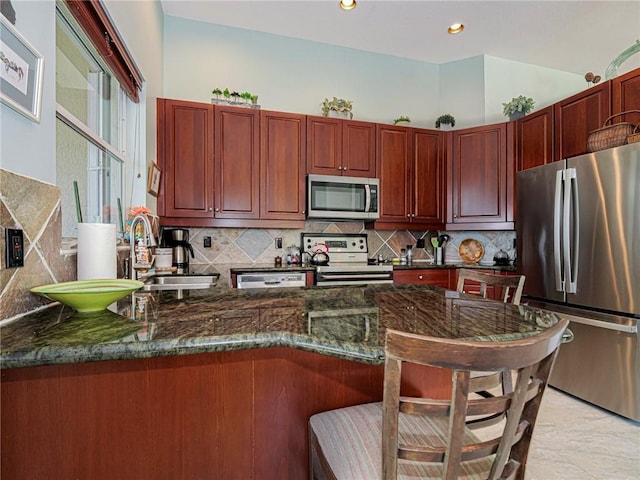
531, 358
512, 285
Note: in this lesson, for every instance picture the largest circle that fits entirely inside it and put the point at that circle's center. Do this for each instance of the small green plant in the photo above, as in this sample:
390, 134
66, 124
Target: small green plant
233, 97
401, 118
518, 105
338, 105
445, 119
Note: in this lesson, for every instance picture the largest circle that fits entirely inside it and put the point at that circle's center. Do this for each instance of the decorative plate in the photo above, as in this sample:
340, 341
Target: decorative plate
471, 250
88, 295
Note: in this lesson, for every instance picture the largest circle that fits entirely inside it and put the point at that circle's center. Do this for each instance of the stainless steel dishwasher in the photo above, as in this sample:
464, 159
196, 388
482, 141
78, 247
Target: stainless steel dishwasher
271, 279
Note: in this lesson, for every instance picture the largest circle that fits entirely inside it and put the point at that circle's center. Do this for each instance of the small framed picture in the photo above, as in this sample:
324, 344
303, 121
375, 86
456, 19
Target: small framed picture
21, 72
154, 179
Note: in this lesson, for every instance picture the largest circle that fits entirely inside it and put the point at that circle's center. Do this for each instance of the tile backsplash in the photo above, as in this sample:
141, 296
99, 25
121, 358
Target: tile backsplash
34, 207
234, 247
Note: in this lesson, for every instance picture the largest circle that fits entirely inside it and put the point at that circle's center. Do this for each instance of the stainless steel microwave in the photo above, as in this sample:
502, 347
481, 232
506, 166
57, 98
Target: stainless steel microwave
346, 198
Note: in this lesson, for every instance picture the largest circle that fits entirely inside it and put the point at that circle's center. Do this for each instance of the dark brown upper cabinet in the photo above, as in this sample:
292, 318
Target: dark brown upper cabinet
535, 139
481, 178
282, 166
340, 147
185, 157
625, 96
577, 116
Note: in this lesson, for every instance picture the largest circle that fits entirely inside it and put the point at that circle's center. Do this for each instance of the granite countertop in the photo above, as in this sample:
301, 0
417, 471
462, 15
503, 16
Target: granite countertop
420, 265
345, 322
416, 265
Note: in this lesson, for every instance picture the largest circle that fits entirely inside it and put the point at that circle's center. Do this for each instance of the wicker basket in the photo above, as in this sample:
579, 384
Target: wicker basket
635, 136
610, 136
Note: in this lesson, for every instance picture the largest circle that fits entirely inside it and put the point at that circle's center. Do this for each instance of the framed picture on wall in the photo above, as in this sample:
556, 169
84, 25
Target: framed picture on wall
21, 72
154, 179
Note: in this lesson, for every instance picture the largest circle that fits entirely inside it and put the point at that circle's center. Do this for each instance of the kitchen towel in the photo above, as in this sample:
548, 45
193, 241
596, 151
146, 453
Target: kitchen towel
96, 251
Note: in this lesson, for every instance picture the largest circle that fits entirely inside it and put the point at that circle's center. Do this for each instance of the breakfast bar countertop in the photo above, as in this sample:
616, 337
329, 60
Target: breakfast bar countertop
344, 322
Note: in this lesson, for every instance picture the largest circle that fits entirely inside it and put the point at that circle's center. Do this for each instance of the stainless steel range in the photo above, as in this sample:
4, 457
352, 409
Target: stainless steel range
348, 259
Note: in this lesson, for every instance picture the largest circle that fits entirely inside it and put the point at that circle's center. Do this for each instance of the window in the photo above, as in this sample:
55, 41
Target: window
91, 122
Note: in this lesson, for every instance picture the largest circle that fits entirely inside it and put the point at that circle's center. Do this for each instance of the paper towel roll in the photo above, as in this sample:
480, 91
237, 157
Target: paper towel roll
96, 251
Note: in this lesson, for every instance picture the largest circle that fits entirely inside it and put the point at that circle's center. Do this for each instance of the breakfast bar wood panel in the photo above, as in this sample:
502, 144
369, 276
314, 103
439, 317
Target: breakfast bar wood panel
231, 415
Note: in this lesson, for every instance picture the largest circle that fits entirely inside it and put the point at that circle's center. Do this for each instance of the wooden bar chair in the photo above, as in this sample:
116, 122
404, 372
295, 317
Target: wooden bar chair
511, 285
409, 438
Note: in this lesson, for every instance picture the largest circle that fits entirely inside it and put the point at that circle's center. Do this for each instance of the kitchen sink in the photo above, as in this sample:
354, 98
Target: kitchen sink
180, 282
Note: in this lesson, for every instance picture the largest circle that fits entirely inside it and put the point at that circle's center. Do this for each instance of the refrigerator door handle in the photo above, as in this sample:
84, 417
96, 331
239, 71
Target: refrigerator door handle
557, 230
571, 230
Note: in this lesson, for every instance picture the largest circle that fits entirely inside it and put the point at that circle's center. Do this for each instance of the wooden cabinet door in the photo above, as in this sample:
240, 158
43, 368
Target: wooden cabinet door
358, 149
427, 179
237, 162
479, 176
185, 157
436, 276
534, 139
324, 145
282, 165
577, 116
625, 93
393, 154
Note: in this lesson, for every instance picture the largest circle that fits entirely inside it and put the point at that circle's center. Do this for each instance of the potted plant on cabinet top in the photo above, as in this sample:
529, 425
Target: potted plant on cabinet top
517, 107
401, 119
445, 122
337, 107
236, 99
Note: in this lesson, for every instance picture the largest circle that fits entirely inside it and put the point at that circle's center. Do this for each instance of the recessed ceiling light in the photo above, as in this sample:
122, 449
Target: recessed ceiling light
455, 28
347, 4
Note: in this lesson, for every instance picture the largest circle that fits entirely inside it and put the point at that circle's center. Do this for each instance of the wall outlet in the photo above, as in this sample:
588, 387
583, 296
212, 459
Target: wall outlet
14, 248
420, 243
206, 242
279, 242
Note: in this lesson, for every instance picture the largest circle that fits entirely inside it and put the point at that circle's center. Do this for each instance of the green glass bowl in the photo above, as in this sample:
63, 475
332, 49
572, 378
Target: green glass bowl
88, 295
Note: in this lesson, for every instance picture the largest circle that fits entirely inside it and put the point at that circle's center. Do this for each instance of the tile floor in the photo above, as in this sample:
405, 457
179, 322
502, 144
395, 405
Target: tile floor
574, 440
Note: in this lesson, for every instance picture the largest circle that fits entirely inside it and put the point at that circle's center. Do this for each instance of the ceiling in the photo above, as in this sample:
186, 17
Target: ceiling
574, 36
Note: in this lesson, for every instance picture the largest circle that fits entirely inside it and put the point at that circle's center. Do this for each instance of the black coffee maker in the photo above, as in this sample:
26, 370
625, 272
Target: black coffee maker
178, 240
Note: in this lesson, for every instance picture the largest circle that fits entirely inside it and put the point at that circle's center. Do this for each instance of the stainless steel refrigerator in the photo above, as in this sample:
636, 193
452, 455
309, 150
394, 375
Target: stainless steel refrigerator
578, 243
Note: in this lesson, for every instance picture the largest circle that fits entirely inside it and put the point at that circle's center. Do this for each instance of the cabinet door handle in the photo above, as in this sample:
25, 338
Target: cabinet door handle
217, 209
420, 277
339, 168
210, 209
345, 168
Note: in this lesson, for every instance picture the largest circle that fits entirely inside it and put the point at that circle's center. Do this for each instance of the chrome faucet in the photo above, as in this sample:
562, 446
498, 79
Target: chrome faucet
147, 235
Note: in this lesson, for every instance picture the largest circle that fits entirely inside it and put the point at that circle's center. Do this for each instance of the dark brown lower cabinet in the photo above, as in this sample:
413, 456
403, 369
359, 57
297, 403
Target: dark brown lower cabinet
436, 276
229, 415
